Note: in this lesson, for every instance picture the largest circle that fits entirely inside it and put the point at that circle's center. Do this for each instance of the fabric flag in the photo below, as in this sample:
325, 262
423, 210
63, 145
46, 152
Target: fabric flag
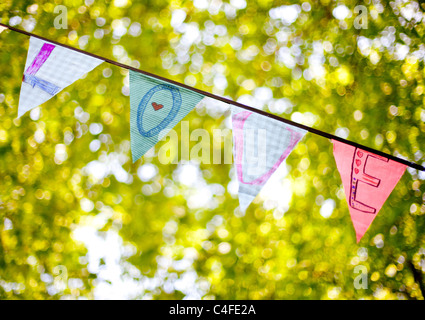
260, 144
2, 29
155, 108
368, 180
49, 69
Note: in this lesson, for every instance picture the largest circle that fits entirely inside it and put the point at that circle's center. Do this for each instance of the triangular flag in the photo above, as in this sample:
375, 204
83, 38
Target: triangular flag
155, 108
368, 180
49, 69
260, 144
2, 29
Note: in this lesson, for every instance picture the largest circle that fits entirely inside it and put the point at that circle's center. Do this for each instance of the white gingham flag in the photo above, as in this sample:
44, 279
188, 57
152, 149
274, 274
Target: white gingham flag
49, 69
260, 145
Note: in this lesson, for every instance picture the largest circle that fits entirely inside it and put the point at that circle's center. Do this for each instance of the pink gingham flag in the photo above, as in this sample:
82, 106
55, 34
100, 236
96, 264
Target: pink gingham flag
260, 145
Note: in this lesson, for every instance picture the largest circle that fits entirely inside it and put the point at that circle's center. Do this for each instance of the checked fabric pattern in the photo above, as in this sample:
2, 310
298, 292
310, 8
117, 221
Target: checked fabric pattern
260, 145
48, 70
155, 108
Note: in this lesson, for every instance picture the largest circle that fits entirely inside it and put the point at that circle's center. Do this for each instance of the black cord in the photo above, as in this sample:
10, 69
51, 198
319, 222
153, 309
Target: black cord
228, 101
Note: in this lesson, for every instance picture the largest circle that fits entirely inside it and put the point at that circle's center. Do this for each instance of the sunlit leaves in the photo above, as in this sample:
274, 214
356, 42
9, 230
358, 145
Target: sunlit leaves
73, 206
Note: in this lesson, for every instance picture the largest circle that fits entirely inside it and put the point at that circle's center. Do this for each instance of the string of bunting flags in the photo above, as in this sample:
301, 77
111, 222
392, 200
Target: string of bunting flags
157, 104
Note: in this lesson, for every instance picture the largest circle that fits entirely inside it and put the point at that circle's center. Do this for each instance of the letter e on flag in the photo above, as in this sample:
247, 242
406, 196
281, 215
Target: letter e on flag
368, 180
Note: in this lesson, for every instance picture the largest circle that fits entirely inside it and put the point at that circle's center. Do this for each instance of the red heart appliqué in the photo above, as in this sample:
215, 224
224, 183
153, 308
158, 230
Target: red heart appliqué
157, 106
360, 154
356, 170
358, 162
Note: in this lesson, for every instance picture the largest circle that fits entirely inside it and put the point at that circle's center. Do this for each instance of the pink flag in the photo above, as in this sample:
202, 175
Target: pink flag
368, 180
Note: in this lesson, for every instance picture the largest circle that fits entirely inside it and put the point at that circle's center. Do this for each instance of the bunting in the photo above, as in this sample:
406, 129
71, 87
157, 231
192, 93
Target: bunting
48, 70
260, 144
368, 180
155, 108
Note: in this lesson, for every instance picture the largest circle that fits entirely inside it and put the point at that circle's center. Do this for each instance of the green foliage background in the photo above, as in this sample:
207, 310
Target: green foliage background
364, 84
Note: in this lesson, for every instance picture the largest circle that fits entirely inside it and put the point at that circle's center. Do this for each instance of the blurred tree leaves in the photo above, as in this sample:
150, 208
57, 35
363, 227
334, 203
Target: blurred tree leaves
79, 220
